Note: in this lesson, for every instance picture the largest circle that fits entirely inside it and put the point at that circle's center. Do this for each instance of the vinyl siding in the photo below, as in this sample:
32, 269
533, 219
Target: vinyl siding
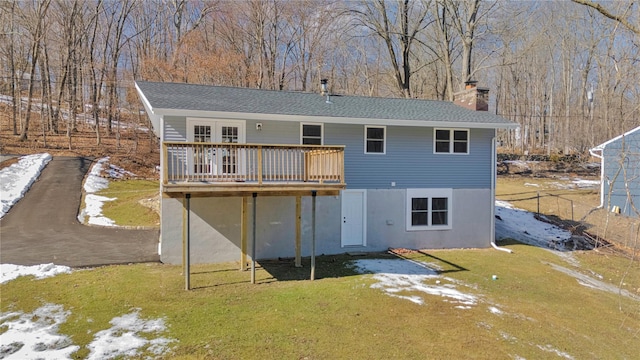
175, 128
622, 174
273, 132
409, 160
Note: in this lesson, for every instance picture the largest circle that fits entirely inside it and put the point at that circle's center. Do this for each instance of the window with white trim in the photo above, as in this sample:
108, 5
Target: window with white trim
375, 139
429, 209
451, 141
311, 134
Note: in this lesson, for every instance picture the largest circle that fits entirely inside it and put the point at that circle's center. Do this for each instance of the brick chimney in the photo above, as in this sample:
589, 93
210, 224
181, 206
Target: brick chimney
472, 97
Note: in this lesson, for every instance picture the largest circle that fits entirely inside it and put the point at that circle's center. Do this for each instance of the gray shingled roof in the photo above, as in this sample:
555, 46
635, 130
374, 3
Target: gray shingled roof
178, 96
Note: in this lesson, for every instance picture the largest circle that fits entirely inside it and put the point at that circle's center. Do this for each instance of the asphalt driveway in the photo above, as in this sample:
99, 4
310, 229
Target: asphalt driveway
43, 227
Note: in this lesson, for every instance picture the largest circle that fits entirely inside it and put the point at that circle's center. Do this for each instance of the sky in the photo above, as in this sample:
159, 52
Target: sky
35, 335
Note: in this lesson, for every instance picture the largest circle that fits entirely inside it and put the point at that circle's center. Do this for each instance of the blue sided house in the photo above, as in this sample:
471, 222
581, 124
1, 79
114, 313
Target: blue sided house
260, 174
620, 173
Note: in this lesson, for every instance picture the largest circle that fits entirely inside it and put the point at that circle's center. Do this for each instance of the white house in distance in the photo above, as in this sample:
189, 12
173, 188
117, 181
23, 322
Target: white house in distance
386, 172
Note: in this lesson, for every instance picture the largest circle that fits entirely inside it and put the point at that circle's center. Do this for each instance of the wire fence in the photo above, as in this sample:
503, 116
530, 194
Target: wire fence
579, 212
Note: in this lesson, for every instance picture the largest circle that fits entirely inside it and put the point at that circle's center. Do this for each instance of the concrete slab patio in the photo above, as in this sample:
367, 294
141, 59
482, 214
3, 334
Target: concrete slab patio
43, 227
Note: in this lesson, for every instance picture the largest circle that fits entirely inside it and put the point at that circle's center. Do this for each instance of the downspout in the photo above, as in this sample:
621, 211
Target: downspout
601, 157
162, 170
494, 158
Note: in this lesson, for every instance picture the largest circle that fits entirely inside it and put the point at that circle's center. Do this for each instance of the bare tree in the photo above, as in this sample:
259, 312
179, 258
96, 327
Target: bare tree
117, 16
397, 25
97, 74
625, 18
8, 19
37, 27
313, 26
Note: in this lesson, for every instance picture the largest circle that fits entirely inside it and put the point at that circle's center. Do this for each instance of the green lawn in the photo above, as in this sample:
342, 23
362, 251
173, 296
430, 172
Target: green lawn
126, 209
543, 313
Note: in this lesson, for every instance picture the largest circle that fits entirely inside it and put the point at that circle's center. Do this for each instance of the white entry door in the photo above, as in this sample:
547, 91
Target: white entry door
354, 222
215, 160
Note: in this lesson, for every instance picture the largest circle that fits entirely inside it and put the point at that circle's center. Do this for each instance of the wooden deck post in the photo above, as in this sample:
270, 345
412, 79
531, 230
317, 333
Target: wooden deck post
313, 236
298, 230
253, 242
186, 233
243, 235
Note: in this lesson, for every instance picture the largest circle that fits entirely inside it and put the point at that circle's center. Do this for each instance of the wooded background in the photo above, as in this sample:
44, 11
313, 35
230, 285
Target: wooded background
567, 72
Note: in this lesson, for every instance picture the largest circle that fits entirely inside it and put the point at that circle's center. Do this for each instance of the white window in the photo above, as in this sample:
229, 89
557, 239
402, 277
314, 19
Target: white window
451, 141
311, 134
429, 209
375, 139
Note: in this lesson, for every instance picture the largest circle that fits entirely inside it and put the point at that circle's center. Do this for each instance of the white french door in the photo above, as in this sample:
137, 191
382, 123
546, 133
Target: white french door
219, 160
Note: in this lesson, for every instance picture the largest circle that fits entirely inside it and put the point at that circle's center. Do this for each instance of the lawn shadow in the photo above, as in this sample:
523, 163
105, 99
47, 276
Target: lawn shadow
448, 267
326, 266
454, 267
201, 272
272, 270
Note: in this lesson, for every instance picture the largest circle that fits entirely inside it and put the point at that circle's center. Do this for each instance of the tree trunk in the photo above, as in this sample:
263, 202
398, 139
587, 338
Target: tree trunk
14, 87
37, 34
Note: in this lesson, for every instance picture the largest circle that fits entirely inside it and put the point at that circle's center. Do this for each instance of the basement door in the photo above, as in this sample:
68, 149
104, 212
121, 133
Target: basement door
354, 222
215, 160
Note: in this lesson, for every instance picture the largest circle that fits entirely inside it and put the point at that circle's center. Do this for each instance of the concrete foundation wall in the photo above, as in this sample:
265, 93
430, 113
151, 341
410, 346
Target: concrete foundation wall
386, 222
215, 226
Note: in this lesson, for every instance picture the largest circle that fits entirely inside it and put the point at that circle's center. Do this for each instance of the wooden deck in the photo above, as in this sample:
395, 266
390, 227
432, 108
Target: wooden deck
228, 169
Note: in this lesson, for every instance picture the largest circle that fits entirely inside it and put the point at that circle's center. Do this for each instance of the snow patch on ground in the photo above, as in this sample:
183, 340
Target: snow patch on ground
93, 203
122, 339
9, 272
568, 183
94, 181
520, 162
586, 184
16, 179
551, 349
401, 278
590, 282
521, 225
86, 117
93, 210
495, 310
118, 172
35, 336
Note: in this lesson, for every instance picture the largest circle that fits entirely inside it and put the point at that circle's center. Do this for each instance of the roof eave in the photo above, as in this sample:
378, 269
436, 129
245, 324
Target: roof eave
330, 119
604, 144
154, 117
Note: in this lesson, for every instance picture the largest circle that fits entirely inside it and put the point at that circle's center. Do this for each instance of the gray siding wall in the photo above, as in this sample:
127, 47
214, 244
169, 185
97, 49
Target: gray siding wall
175, 128
273, 132
621, 181
409, 160
215, 226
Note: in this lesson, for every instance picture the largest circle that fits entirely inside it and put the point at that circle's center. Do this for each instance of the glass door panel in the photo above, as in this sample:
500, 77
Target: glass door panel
202, 157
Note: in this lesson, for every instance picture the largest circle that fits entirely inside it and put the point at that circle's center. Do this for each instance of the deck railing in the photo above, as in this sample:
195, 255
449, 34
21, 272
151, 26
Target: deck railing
251, 163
